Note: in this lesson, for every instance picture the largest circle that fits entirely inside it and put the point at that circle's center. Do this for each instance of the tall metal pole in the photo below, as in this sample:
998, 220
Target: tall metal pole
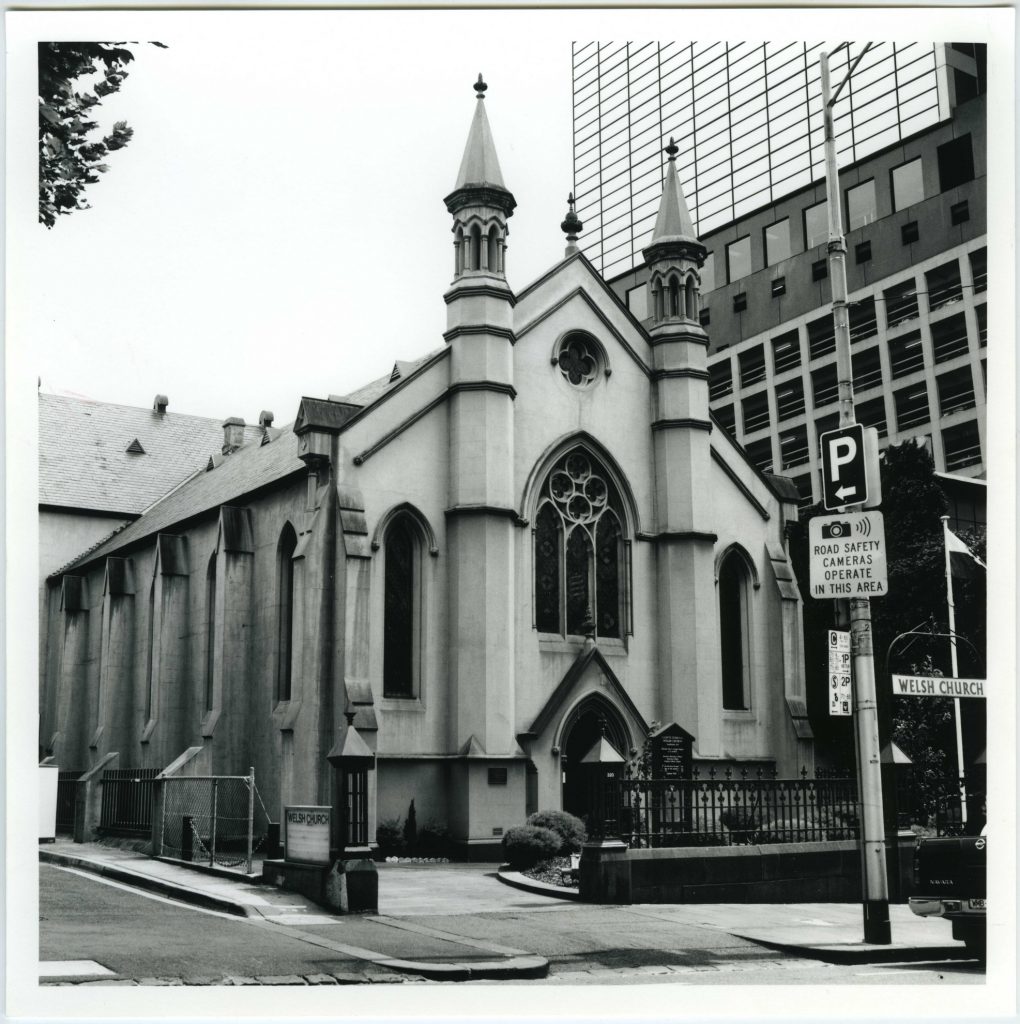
869, 766
955, 670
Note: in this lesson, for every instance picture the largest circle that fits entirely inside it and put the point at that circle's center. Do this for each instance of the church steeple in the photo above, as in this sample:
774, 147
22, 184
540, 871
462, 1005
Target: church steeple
675, 253
480, 203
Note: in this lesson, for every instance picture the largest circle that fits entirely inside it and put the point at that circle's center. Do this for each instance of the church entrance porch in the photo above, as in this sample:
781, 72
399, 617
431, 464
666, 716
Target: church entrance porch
593, 731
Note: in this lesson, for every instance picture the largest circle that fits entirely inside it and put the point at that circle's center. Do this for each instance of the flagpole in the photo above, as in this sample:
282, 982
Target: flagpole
955, 671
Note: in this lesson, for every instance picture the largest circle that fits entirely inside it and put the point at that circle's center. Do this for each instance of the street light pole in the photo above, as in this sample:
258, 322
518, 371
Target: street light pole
869, 767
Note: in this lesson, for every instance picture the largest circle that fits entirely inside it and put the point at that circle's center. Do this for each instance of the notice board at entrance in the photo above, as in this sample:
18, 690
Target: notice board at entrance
672, 752
306, 834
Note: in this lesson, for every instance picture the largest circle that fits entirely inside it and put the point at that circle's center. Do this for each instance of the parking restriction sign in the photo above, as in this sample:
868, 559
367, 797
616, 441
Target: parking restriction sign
840, 693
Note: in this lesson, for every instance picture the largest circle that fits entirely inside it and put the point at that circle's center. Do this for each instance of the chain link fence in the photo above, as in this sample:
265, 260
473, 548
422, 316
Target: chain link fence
215, 820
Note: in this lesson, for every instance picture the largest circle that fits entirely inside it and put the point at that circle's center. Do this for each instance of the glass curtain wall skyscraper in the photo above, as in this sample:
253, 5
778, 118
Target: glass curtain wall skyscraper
746, 116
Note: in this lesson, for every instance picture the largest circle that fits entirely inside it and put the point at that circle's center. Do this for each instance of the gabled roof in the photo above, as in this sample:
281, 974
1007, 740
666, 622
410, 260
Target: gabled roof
88, 457
248, 469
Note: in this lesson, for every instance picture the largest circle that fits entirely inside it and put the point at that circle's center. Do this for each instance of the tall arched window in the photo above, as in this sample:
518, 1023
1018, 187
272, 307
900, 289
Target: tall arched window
493, 254
675, 298
285, 620
400, 614
580, 551
150, 702
692, 302
210, 630
733, 632
476, 248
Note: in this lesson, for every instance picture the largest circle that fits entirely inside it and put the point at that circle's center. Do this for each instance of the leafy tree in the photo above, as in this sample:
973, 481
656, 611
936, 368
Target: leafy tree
70, 154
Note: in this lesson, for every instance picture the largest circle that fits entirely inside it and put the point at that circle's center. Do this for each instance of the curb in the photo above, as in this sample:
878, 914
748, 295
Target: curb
140, 881
522, 967
518, 881
864, 954
253, 878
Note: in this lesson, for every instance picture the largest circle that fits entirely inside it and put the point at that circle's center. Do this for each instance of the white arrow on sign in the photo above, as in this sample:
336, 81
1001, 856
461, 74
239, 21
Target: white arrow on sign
844, 492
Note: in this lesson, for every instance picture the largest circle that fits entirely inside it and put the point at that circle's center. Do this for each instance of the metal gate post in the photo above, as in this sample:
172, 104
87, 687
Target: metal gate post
251, 814
212, 838
162, 814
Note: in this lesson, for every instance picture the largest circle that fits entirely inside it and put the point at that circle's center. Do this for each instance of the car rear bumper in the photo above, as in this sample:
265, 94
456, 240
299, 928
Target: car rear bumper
935, 907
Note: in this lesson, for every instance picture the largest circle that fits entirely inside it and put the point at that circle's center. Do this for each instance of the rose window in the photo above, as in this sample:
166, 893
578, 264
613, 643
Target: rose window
578, 361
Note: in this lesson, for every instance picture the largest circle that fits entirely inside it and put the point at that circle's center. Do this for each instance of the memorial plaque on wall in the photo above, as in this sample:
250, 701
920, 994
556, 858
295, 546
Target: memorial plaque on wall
306, 834
672, 752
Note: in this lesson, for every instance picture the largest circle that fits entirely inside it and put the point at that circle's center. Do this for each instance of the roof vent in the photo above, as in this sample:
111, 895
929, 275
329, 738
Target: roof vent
395, 374
135, 447
159, 404
233, 434
265, 419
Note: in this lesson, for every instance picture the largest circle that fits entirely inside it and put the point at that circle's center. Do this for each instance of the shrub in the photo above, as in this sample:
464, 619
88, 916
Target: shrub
526, 845
411, 827
570, 829
433, 839
389, 835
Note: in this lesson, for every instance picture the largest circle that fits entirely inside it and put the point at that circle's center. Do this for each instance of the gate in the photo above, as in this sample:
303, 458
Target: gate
213, 819
127, 801
67, 788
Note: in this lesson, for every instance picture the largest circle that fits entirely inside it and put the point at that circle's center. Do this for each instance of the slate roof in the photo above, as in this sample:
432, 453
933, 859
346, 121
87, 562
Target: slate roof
246, 470
84, 462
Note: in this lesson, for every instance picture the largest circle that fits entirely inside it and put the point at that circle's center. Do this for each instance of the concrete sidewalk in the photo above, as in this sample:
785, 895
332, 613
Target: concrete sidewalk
395, 941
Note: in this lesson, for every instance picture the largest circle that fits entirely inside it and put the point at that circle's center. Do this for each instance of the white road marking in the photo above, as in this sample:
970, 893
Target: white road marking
869, 974
73, 969
300, 919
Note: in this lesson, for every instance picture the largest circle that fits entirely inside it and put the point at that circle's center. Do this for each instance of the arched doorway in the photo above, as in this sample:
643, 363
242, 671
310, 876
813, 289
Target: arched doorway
582, 730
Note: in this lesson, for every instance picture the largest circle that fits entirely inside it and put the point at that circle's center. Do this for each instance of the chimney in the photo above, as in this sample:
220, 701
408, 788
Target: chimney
265, 419
233, 434
159, 404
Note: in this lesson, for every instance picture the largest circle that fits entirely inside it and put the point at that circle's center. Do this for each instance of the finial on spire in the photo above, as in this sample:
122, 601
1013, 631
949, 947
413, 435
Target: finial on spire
672, 149
571, 226
480, 87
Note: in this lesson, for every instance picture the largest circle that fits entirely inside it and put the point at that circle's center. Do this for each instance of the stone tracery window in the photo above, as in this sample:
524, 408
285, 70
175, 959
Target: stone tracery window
578, 360
580, 551
399, 615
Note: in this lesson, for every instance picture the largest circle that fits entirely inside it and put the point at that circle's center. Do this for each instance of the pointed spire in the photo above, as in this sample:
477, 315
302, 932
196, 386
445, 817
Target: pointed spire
674, 219
571, 226
480, 165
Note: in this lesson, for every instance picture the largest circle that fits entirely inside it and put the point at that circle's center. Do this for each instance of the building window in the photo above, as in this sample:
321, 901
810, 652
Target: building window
900, 303
738, 258
956, 163
637, 302
760, 454
872, 414
210, 631
944, 285
819, 270
906, 354
740, 302
825, 424
789, 399
777, 242
734, 632
720, 380
821, 336
150, 680
285, 614
979, 269
755, 412
825, 385
705, 316
949, 338
580, 550
778, 287
861, 205
959, 213
707, 274
752, 366
907, 184
786, 351
862, 252
793, 447
816, 225
962, 446
579, 360
909, 233
867, 368
497, 774
401, 612
726, 418
981, 312
863, 319
911, 406
956, 390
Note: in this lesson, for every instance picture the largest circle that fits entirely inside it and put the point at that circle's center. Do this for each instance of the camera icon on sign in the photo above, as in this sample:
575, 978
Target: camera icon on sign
840, 528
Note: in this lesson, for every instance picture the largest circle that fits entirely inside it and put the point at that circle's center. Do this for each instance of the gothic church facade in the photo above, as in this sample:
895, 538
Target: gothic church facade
528, 537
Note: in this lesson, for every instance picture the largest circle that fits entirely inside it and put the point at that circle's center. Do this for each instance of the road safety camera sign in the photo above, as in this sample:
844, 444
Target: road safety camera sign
937, 686
847, 555
840, 693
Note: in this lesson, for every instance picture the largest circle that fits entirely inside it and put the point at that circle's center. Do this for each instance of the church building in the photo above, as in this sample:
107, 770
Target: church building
534, 536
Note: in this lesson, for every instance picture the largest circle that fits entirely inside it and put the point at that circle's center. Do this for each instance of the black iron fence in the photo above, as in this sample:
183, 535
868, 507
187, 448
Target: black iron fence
127, 801
726, 808
67, 789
